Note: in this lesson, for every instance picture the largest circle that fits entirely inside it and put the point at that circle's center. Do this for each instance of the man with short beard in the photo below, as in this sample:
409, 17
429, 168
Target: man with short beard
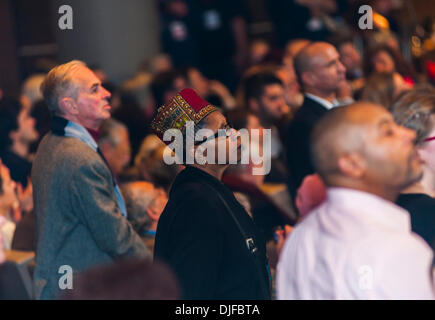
358, 244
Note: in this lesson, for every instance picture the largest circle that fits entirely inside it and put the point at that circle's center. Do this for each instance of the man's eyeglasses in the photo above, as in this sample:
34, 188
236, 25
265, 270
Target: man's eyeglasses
429, 139
226, 131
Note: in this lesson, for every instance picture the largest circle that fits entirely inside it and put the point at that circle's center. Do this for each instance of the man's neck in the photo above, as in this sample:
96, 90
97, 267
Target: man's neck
214, 170
20, 148
384, 192
91, 126
331, 96
426, 185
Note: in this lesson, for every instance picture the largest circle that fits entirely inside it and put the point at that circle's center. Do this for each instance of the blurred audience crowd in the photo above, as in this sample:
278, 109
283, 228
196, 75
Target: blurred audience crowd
319, 62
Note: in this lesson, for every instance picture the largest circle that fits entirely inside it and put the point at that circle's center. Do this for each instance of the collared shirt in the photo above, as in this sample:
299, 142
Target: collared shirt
355, 246
327, 104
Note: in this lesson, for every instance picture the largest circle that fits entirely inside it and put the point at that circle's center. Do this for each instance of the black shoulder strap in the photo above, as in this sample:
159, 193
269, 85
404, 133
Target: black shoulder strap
250, 245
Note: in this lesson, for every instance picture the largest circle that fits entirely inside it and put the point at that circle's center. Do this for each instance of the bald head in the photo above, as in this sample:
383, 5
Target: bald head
319, 69
361, 146
340, 131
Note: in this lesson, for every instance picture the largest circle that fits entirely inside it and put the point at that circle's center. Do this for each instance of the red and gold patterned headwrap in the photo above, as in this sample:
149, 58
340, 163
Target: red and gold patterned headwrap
186, 106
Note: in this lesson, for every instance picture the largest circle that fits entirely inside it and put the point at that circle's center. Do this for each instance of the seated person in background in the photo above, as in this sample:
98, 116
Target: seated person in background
126, 280
212, 90
358, 244
320, 74
114, 143
264, 97
17, 132
149, 165
8, 202
292, 91
384, 58
145, 204
383, 88
417, 111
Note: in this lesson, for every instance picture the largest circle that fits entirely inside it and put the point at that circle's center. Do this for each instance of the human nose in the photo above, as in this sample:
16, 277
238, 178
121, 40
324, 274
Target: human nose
106, 93
341, 67
408, 134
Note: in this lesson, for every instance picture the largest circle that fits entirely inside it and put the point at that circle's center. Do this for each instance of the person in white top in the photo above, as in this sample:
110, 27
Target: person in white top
8, 201
358, 244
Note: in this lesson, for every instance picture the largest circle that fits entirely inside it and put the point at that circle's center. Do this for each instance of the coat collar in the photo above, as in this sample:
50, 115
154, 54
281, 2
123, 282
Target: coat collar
63, 127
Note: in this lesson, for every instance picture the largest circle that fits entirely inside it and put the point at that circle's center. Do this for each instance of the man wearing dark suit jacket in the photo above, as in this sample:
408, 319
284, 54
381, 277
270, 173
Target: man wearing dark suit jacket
320, 74
78, 206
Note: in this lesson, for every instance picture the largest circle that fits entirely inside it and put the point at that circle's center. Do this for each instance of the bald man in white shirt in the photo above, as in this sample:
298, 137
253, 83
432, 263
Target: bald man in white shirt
358, 244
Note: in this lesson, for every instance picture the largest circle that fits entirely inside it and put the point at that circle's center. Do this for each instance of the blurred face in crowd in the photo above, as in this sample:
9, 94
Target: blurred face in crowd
383, 62
272, 104
91, 107
350, 56
117, 153
326, 70
389, 150
178, 8
158, 204
26, 132
292, 94
8, 196
198, 82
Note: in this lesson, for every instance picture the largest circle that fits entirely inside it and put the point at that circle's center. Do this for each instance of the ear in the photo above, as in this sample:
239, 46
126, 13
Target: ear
68, 105
152, 213
352, 165
253, 105
308, 78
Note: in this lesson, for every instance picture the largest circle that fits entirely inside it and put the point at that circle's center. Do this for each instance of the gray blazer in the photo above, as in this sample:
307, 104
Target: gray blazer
78, 220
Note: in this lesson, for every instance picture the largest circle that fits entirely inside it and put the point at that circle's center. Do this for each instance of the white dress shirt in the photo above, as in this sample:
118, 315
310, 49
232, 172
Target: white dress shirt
355, 246
327, 104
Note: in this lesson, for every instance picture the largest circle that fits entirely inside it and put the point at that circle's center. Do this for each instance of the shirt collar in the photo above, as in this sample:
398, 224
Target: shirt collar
369, 208
71, 129
328, 105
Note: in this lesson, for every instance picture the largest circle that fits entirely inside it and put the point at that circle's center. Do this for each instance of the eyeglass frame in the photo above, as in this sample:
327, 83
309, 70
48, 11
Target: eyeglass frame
218, 134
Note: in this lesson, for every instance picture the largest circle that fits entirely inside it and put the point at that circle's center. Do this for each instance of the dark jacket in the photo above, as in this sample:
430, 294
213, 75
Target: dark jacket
298, 142
422, 210
199, 239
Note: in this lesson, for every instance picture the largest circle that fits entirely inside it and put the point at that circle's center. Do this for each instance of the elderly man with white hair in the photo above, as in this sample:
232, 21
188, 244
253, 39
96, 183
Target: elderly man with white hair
78, 206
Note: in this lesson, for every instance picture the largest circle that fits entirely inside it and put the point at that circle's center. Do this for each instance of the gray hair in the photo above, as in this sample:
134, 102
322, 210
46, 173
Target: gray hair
58, 84
137, 202
108, 132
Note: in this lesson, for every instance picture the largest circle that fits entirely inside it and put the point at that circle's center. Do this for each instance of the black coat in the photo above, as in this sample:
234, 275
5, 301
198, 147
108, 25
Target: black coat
298, 142
199, 239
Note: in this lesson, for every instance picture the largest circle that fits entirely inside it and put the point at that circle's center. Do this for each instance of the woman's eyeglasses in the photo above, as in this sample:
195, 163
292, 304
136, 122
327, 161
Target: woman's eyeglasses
429, 139
226, 131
